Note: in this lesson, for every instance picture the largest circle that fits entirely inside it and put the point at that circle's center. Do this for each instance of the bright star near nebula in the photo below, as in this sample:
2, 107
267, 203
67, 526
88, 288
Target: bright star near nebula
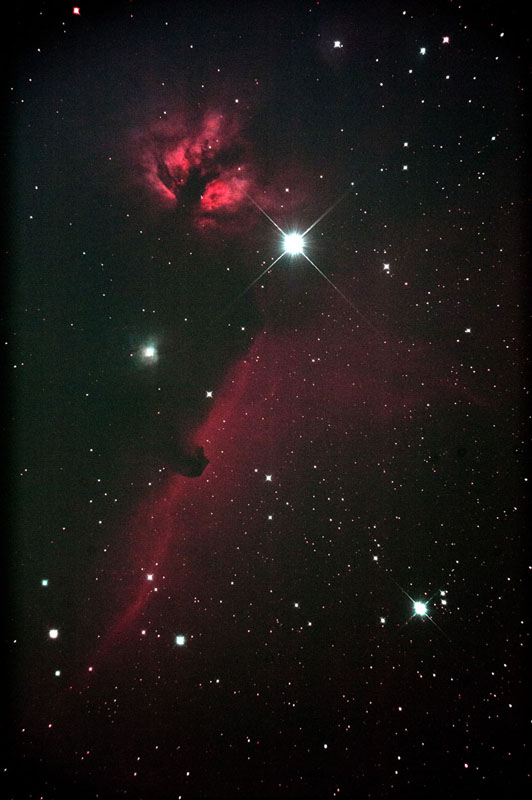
293, 243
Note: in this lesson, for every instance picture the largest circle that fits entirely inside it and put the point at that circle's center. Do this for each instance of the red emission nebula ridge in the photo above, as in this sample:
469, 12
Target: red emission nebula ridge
274, 413
200, 164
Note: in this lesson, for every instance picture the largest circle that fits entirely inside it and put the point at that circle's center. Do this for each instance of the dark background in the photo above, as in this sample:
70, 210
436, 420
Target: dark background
388, 409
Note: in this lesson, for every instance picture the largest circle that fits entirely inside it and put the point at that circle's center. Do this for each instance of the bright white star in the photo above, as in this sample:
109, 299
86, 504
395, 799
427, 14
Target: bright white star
293, 243
420, 608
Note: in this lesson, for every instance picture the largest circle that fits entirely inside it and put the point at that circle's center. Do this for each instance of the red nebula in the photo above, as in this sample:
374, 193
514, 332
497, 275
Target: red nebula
274, 413
200, 164
226, 192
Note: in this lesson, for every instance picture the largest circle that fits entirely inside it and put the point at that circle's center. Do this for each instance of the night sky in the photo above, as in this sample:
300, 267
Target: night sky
266, 509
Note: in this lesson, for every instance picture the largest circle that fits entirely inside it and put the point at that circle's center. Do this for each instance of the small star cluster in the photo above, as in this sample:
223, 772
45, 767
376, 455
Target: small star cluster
266, 351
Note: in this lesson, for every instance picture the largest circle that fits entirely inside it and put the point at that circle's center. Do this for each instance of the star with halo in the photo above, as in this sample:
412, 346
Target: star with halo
294, 245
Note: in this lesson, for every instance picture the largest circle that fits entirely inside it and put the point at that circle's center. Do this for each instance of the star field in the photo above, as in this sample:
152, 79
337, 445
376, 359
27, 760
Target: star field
266, 358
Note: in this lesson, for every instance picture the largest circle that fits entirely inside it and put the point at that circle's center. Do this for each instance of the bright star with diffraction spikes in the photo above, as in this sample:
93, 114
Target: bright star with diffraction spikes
293, 243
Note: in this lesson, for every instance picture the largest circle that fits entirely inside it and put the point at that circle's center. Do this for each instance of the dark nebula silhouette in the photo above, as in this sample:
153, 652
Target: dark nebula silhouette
191, 465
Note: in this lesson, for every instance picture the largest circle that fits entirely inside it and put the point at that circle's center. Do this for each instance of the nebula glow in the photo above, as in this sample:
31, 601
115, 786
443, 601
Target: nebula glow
199, 165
